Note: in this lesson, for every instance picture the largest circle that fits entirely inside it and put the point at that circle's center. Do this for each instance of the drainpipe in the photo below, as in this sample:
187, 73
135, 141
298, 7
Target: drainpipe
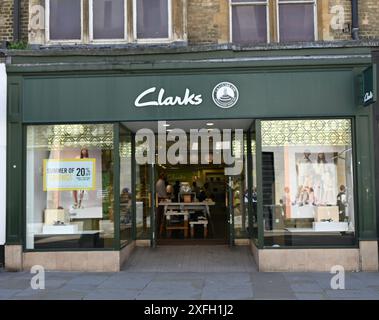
16, 20
354, 18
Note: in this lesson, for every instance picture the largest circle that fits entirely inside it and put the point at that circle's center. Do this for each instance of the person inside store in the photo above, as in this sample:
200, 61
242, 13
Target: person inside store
202, 195
160, 189
176, 190
207, 191
170, 191
195, 189
125, 205
125, 195
341, 203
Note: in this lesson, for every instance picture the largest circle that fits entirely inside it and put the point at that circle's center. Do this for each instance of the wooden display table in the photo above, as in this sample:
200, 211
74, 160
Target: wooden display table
182, 226
187, 206
200, 222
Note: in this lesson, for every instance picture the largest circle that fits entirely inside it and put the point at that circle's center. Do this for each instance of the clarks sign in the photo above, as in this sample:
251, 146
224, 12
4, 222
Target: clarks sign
368, 86
225, 95
149, 98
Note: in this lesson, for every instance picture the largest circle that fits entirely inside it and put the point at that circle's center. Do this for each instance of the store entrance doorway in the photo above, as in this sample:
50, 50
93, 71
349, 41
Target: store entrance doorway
192, 181
197, 209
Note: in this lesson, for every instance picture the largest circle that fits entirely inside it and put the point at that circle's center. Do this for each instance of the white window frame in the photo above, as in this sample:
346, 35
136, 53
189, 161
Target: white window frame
152, 40
115, 41
47, 27
262, 3
315, 24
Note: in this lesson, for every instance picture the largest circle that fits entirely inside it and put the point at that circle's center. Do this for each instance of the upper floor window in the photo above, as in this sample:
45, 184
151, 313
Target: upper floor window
258, 21
152, 19
249, 21
64, 19
107, 19
297, 20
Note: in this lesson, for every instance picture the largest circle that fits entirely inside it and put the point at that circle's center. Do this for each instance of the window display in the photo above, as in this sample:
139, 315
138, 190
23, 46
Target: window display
307, 182
70, 186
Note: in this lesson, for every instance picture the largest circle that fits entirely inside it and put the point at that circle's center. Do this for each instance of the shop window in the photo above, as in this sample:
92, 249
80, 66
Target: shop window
249, 21
152, 19
107, 19
307, 182
240, 196
64, 20
69, 186
297, 20
253, 197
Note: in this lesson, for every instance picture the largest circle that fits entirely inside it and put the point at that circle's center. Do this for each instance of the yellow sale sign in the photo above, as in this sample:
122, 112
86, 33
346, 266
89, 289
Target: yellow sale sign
69, 174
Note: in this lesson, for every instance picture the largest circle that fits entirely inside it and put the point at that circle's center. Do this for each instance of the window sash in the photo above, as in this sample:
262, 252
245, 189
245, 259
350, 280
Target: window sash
297, 2
105, 40
249, 3
47, 26
153, 40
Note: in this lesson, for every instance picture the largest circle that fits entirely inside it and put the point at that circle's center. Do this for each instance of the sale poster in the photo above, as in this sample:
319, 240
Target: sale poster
69, 174
75, 183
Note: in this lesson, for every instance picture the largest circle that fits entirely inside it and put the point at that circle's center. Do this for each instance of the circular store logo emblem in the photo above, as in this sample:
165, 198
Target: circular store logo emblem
225, 95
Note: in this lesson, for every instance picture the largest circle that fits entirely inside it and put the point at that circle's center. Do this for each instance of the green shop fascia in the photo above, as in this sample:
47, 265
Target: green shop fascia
309, 152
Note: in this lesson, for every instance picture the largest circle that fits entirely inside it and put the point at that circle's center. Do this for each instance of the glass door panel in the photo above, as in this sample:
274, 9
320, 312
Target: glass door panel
126, 187
240, 188
143, 197
238, 195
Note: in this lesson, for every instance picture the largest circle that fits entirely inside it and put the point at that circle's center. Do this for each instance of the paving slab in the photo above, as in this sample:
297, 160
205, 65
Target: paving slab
112, 294
164, 294
244, 293
310, 296
306, 287
136, 283
189, 273
8, 293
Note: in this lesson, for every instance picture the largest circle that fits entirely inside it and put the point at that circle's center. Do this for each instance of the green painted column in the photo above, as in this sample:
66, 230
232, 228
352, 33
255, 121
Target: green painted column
365, 177
15, 177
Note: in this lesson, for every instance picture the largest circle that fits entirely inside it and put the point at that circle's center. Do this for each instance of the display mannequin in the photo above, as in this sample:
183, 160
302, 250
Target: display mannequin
78, 204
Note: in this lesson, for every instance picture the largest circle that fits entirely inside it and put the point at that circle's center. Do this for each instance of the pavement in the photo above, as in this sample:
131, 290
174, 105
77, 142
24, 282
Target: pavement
139, 280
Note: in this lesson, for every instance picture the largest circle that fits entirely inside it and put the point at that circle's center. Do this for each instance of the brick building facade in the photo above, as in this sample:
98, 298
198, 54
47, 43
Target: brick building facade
207, 21
368, 18
6, 20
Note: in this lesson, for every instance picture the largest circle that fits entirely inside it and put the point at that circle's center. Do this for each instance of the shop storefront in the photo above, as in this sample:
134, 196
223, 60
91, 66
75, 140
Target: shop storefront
290, 151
